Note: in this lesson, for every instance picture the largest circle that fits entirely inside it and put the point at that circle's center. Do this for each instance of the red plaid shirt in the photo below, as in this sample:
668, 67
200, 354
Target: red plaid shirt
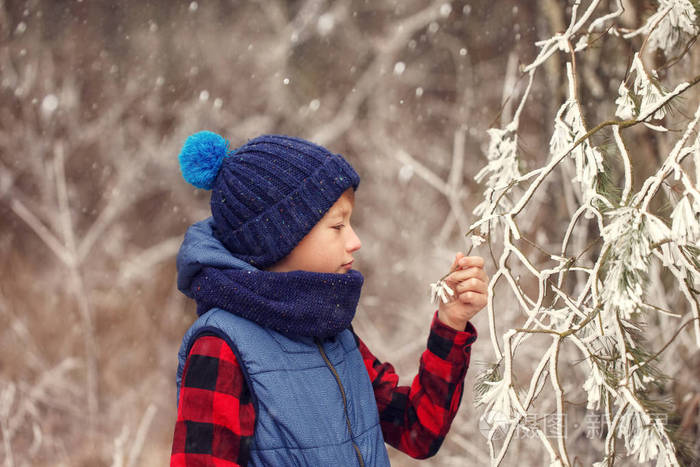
216, 417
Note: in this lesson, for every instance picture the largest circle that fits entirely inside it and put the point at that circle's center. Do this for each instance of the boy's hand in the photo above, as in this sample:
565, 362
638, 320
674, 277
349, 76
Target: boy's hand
470, 282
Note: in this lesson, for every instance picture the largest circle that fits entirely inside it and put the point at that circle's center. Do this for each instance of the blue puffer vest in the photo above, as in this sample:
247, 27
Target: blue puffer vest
314, 401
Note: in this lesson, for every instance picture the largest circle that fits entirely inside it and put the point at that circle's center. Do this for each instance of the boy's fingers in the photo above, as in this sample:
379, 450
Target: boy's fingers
474, 298
474, 284
464, 274
456, 262
471, 261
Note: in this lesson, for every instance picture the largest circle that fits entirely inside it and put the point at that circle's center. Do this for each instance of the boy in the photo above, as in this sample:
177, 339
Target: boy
271, 373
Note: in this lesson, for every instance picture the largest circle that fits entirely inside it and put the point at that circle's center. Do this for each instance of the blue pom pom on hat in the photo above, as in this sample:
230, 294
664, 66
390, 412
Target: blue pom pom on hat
201, 158
267, 194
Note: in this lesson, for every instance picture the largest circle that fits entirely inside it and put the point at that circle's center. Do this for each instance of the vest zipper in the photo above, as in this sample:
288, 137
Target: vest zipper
345, 401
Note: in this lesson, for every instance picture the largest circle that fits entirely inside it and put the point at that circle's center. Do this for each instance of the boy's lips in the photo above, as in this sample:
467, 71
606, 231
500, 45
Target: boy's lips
348, 264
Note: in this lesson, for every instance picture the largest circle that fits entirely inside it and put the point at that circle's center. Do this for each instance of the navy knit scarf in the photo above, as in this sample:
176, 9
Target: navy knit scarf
294, 303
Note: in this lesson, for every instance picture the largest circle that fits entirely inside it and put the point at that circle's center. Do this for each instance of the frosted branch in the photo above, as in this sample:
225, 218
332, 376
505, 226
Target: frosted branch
595, 303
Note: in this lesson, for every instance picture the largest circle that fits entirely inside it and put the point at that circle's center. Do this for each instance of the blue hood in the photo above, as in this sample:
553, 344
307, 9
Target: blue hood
200, 249
298, 303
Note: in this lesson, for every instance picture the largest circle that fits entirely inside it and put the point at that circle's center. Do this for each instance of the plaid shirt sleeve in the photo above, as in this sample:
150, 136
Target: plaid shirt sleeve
215, 416
416, 418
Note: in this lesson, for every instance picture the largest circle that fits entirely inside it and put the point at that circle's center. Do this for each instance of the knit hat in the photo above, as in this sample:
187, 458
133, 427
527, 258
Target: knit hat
267, 194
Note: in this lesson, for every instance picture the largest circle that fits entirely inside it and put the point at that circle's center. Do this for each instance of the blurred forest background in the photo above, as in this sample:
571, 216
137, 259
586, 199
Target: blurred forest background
96, 99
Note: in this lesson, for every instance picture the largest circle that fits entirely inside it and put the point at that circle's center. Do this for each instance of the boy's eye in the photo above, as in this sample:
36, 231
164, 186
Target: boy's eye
339, 226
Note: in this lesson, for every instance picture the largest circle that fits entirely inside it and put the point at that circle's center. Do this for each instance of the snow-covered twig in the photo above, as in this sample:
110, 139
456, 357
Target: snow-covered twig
601, 317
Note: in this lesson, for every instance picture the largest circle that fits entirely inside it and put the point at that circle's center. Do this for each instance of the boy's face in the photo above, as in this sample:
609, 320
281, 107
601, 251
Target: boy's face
329, 245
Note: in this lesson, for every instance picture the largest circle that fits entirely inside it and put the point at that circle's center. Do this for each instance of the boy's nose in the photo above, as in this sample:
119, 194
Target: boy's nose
353, 243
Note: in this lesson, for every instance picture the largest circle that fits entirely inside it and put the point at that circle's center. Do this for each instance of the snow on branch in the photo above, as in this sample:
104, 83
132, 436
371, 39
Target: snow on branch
671, 25
596, 299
